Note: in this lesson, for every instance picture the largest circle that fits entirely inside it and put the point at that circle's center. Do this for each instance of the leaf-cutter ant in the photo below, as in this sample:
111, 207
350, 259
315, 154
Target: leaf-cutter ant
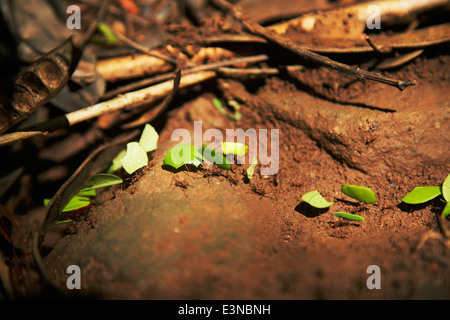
183, 184
258, 190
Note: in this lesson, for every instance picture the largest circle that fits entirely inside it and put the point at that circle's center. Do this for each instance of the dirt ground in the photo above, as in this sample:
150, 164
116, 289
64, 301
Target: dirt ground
267, 243
224, 237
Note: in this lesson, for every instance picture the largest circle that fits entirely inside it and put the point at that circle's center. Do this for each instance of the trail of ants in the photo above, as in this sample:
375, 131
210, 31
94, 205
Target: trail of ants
218, 172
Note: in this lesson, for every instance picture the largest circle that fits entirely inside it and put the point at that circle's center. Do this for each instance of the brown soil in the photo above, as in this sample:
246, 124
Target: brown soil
222, 237
258, 240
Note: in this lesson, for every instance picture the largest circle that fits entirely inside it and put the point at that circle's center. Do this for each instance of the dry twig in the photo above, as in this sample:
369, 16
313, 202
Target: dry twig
145, 50
132, 98
149, 116
167, 76
255, 28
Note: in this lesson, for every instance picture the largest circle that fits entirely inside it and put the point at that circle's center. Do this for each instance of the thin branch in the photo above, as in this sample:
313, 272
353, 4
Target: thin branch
132, 98
82, 40
143, 49
147, 117
375, 47
247, 72
255, 28
167, 76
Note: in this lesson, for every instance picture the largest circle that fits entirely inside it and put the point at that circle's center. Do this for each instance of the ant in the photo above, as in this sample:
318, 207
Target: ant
258, 190
215, 172
276, 179
233, 180
183, 184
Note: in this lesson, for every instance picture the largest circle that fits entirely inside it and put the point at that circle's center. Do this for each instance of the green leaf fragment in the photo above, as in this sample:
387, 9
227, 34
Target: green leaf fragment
236, 106
76, 202
349, 216
101, 180
237, 116
359, 193
183, 154
116, 164
135, 158
110, 36
236, 148
446, 210
315, 199
446, 189
87, 192
232, 103
218, 104
251, 168
422, 194
149, 138
148, 142
63, 221
215, 157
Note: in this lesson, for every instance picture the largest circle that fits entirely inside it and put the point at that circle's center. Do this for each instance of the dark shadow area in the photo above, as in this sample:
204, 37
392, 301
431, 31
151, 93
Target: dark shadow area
436, 206
185, 167
348, 202
308, 210
301, 86
340, 224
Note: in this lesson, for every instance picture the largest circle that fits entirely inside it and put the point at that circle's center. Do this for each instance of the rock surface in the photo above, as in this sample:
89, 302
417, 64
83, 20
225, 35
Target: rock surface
164, 241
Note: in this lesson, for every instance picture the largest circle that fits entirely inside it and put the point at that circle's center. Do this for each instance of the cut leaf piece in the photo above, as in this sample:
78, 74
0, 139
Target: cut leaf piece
446, 189
236, 148
110, 36
349, 216
422, 194
63, 221
315, 199
234, 104
359, 193
183, 154
102, 180
149, 138
116, 164
87, 192
215, 157
76, 202
251, 169
218, 104
446, 210
135, 158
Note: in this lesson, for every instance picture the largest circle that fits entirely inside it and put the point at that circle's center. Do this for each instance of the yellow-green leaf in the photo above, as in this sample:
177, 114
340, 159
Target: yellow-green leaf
446, 210
360, 193
116, 164
422, 194
183, 154
236, 148
101, 180
215, 157
135, 158
349, 216
446, 189
149, 138
251, 168
76, 202
315, 199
